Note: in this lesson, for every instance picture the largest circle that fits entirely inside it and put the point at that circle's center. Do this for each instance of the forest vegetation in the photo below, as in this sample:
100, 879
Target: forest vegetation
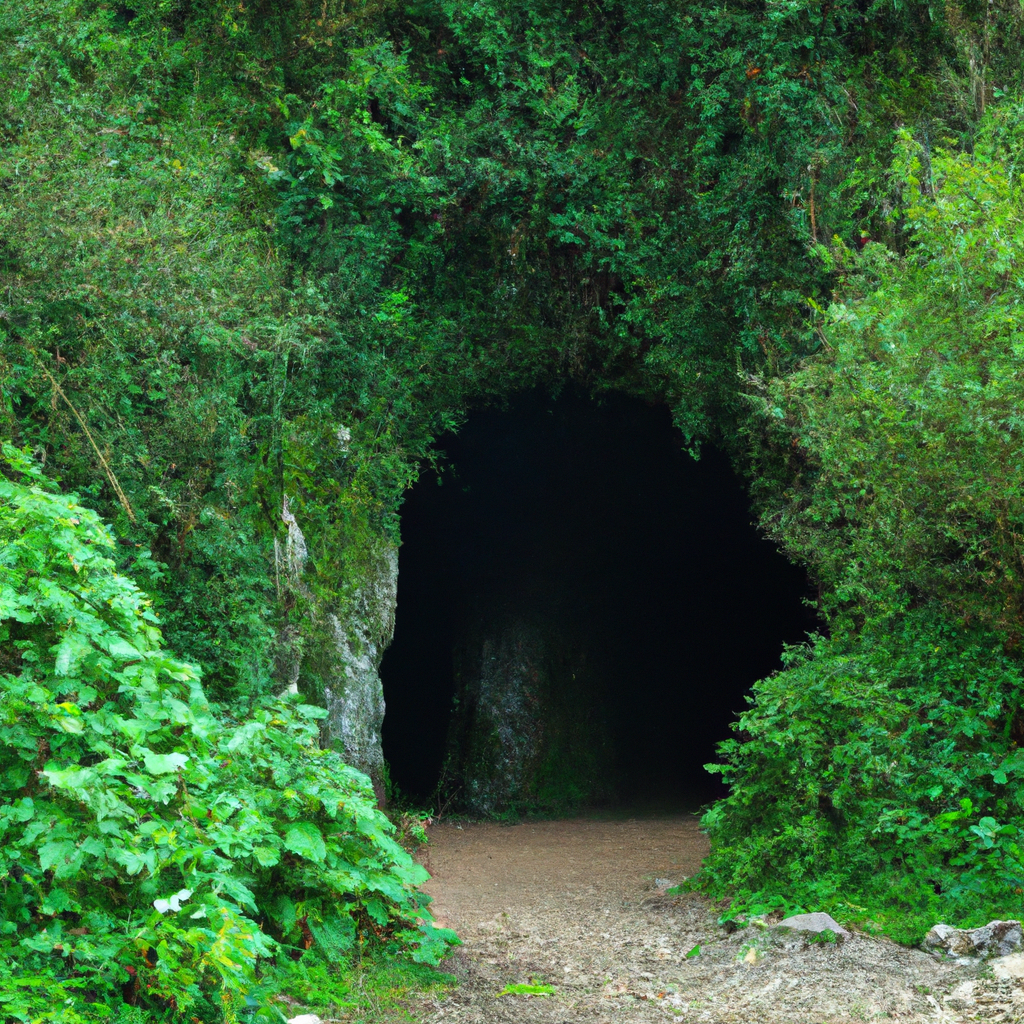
272, 249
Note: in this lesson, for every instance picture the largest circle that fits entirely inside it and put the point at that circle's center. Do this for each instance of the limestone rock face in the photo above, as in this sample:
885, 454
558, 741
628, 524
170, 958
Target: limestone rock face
354, 695
997, 937
336, 652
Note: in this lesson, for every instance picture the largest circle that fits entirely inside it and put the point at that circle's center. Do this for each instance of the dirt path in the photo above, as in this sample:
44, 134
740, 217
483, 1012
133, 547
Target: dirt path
580, 905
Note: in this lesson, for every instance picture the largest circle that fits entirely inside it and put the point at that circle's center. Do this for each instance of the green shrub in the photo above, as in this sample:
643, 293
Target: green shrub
150, 847
904, 481
873, 777
878, 774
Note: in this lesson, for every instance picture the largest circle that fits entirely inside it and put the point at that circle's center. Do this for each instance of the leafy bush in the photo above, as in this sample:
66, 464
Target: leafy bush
152, 848
879, 770
875, 777
904, 477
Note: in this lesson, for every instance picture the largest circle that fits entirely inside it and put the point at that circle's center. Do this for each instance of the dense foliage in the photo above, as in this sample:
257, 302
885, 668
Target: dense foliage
152, 845
876, 777
881, 767
270, 251
903, 482
229, 233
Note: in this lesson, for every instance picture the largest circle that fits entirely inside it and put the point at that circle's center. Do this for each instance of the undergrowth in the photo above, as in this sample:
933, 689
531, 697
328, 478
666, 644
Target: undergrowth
157, 850
879, 774
373, 988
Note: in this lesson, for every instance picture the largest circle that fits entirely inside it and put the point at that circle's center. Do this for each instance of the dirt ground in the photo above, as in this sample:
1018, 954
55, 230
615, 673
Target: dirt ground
580, 905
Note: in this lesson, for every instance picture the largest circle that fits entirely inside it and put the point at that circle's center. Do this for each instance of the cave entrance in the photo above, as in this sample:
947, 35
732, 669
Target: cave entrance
582, 608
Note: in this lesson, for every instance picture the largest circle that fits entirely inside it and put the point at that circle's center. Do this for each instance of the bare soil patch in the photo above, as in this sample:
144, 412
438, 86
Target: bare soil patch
580, 905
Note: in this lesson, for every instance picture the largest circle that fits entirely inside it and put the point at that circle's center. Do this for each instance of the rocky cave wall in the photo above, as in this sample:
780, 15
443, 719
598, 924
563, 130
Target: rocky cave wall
335, 651
529, 725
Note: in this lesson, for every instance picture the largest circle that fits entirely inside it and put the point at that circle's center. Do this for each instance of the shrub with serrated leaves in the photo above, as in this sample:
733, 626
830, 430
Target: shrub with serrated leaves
150, 848
902, 436
875, 777
882, 767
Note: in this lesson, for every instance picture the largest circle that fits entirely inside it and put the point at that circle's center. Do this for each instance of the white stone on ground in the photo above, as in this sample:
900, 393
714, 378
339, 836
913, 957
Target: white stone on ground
814, 923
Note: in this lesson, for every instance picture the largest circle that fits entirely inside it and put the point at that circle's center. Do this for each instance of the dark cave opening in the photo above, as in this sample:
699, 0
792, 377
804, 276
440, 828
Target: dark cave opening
601, 595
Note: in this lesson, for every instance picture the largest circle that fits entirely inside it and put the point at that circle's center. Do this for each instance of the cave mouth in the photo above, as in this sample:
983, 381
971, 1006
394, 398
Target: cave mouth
582, 610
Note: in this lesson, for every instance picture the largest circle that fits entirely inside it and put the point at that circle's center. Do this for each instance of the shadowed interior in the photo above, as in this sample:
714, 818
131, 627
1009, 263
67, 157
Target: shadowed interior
589, 520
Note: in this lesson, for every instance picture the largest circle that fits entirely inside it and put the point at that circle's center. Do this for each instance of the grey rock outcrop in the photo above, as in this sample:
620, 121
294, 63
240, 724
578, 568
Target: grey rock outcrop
354, 694
998, 938
295, 551
815, 924
336, 652
528, 727
504, 732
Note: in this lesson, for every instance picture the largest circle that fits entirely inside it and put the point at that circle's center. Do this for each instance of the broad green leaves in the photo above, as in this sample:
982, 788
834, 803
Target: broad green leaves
266, 856
306, 840
123, 784
159, 764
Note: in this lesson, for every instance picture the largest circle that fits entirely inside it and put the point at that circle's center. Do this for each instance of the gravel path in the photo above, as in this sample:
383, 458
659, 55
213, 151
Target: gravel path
579, 905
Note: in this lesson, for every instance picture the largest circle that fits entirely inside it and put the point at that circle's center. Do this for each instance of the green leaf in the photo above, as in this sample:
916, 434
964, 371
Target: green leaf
305, 839
70, 778
378, 911
134, 861
23, 810
94, 847
433, 944
60, 856
266, 856
119, 648
57, 902
160, 764
65, 659
160, 790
